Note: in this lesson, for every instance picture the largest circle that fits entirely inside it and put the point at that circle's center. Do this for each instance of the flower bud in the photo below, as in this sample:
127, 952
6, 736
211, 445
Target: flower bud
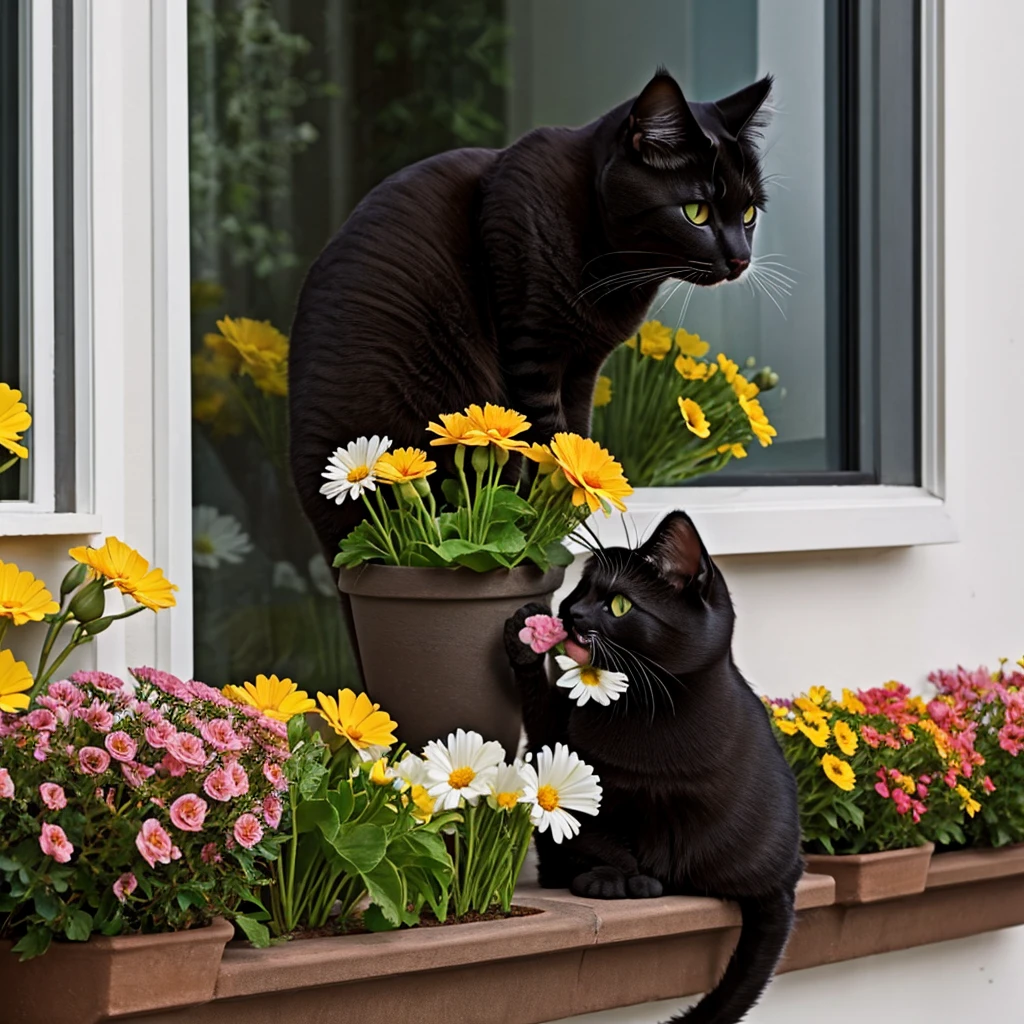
766, 378
500, 456
89, 602
482, 458
558, 480
407, 492
421, 487
97, 625
74, 578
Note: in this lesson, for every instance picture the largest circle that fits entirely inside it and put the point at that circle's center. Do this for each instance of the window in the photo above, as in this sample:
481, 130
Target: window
297, 110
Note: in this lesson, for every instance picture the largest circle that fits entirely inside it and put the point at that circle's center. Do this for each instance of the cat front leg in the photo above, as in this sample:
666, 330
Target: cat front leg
545, 712
614, 874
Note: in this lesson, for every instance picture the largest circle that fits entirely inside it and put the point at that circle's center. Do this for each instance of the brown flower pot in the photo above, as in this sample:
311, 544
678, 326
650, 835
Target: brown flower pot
432, 649
86, 982
868, 877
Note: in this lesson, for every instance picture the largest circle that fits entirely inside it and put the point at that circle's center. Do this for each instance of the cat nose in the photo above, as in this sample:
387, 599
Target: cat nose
739, 264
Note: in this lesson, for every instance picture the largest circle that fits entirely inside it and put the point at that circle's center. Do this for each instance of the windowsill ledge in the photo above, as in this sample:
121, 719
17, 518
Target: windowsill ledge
579, 956
48, 524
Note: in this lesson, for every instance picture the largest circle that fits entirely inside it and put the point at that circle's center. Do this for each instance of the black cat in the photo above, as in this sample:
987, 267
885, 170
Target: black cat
510, 275
698, 798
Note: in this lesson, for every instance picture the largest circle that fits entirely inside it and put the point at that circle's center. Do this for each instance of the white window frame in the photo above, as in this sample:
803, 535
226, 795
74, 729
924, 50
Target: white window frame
759, 520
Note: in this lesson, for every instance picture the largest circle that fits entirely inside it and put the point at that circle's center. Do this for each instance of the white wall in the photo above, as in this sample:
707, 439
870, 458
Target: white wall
860, 618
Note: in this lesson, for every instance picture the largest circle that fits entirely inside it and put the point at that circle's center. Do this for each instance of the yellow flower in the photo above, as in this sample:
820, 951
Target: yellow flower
892, 686
1020, 661
852, 703
969, 804
15, 679
603, 391
738, 451
456, 428
691, 344
129, 572
744, 388
689, 369
422, 802
917, 705
276, 698
759, 424
694, 418
812, 712
906, 783
595, 476
817, 733
255, 348
818, 694
357, 719
23, 598
845, 737
14, 420
728, 367
403, 464
655, 340
499, 426
786, 726
541, 454
380, 773
839, 772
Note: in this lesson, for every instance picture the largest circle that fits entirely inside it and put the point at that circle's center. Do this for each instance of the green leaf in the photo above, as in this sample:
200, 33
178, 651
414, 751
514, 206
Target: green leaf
298, 730
385, 888
48, 907
505, 539
374, 919
440, 821
35, 942
509, 506
449, 550
312, 775
452, 491
258, 934
362, 846
420, 848
343, 800
558, 554
79, 927
830, 817
8, 863
311, 814
480, 561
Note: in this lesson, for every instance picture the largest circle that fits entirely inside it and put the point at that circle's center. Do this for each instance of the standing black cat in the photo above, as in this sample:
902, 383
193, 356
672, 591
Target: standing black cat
509, 275
698, 798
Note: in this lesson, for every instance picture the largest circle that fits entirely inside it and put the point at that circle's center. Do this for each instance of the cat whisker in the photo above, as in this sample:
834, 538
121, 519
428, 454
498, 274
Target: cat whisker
755, 280
686, 306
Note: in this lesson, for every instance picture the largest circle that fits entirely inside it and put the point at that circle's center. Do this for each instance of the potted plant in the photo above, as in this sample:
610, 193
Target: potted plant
876, 785
433, 577
670, 414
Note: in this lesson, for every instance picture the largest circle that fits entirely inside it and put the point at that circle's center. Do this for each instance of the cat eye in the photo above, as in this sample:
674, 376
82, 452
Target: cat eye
749, 214
620, 604
697, 213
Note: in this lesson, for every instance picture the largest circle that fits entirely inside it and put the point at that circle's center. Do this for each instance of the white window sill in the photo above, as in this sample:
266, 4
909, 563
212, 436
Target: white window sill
48, 524
756, 520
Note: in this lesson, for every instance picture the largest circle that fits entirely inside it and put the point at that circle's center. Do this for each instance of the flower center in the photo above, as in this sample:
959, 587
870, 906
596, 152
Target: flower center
353, 733
547, 797
461, 777
590, 677
203, 545
508, 800
592, 479
357, 474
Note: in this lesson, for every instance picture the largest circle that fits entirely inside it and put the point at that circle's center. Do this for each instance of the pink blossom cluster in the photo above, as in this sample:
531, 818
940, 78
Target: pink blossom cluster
893, 785
981, 699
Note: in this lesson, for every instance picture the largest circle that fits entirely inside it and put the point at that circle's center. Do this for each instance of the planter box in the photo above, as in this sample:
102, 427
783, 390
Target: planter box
868, 877
110, 977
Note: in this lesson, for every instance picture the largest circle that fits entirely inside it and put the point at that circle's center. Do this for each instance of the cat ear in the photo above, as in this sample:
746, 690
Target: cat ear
661, 126
745, 113
677, 552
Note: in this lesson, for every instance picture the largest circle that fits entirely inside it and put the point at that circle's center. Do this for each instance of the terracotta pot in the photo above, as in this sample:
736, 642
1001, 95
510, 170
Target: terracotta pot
432, 650
868, 877
87, 982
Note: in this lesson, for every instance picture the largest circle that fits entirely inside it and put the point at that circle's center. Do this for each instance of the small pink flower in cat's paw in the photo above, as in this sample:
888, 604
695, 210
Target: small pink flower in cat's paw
542, 632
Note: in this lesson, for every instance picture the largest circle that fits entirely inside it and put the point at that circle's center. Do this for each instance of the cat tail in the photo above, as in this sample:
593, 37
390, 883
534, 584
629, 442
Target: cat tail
766, 927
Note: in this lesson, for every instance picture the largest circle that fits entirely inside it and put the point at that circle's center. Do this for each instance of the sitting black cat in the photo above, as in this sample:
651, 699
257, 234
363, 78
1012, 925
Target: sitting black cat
698, 798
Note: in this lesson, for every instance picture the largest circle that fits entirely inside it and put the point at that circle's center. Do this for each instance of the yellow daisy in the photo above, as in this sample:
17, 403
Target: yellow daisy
759, 424
852, 703
255, 348
541, 454
23, 598
357, 719
129, 572
737, 450
786, 726
499, 426
14, 420
15, 679
818, 694
691, 344
593, 473
403, 464
689, 369
845, 737
817, 733
694, 418
744, 388
968, 803
602, 391
839, 772
456, 428
812, 712
276, 698
655, 339
728, 367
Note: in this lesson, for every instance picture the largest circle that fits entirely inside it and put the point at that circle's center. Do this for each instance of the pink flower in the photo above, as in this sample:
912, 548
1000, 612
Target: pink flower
159, 733
274, 774
901, 800
1010, 739
93, 760
154, 843
939, 711
120, 745
542, 632
65, 693
218, 785
6, 784
209, 854
125, 886
136, 773
98, 715
988, 785
54, 843
188, 749
170, 685
871, 735
220, 735
248, 830
173, 766
101, 680
239, 780
53, 796
272, 810
175, 853
42, 748
42, 719
188, 813
208, 693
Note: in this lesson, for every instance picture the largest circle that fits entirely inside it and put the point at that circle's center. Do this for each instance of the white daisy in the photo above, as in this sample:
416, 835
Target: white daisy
507, 787
585, 682
412, 771
350, 470
462, 768
560, 783
287, 577
217, 538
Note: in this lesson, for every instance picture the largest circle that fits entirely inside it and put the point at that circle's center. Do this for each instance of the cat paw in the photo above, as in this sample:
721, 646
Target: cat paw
521, 655
643, 887
600, 883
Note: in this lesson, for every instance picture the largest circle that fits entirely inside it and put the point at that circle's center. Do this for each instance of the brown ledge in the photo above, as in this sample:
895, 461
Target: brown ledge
583, 955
